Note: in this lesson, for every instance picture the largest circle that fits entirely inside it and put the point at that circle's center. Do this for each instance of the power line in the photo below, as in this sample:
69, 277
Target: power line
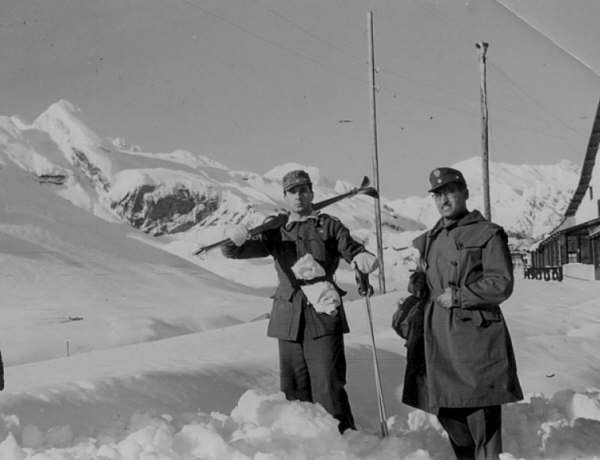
264, 39
538, 104
521, 92
380, 69
293, 51
547, 37
306, 31
385, 70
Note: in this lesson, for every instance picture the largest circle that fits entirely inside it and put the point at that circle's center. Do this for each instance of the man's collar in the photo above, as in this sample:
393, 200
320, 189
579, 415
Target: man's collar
447, 224
298, 218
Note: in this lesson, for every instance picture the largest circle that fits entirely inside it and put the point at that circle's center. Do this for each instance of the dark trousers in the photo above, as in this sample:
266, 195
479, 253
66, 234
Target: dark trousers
314, 370
475, 432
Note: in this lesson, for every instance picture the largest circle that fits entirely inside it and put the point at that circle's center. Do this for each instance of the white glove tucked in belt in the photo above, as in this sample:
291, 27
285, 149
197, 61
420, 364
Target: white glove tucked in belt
323, 296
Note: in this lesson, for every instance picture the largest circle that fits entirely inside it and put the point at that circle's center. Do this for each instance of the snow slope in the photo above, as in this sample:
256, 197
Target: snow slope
212, 394
189, 198
61, 267
186, 197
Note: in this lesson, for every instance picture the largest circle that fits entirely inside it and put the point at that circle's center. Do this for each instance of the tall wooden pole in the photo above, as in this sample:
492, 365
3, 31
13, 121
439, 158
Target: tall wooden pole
485, 168
375, 152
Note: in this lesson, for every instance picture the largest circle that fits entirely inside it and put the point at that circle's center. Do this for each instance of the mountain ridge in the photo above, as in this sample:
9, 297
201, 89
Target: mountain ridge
188, 198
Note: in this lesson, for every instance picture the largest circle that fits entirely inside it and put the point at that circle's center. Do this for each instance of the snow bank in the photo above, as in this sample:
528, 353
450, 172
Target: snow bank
264, 426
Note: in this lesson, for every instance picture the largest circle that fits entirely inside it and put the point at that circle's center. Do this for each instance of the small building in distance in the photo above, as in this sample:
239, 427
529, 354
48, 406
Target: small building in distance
574, 244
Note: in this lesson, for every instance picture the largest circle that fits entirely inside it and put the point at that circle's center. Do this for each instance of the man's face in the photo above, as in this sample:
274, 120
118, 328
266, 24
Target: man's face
299, 199
451, 200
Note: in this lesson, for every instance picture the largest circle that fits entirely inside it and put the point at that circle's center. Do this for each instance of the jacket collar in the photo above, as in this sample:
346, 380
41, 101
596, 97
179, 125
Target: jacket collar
468, 219
293, 220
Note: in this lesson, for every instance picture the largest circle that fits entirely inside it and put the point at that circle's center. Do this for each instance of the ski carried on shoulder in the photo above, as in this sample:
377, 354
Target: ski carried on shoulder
280, 219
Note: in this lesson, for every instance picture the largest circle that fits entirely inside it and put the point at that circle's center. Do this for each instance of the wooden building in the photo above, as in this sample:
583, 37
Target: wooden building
574, 244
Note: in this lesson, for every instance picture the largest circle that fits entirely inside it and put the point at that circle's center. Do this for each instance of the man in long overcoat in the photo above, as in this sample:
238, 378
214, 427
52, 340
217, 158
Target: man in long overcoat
311, 345
469, 368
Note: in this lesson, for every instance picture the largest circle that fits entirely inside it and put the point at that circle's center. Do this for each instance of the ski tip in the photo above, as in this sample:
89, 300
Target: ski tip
365, 182
370, 191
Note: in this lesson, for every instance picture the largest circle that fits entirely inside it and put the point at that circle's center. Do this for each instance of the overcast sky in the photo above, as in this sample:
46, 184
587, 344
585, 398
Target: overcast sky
255, 83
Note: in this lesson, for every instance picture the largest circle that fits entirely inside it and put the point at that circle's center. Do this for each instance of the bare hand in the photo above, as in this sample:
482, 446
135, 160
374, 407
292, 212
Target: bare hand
445, 298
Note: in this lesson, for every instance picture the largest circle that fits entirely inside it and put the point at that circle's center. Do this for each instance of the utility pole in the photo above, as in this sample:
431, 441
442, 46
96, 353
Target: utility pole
375, 152
485, 168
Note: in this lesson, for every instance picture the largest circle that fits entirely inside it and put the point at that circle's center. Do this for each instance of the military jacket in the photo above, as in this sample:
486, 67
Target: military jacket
328, 240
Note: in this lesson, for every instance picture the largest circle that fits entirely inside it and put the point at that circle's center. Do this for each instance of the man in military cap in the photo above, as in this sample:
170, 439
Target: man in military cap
470, 370
311, 344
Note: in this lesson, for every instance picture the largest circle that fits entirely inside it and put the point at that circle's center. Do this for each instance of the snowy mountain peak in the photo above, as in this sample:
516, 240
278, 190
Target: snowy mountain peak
80, 145
191, 197
63, 119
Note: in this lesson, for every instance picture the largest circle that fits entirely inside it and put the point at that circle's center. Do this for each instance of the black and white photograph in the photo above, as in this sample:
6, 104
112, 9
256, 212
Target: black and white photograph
299, 230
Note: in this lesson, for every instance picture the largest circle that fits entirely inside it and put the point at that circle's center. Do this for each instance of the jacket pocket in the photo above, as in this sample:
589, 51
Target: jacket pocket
281, 319
487, 318
321, 324
478, 336
475, 317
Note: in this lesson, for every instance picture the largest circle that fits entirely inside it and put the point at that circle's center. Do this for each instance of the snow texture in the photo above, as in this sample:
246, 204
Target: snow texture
123, 346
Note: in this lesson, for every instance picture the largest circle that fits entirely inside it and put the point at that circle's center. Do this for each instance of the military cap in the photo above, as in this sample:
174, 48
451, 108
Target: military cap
443, 176
294, 178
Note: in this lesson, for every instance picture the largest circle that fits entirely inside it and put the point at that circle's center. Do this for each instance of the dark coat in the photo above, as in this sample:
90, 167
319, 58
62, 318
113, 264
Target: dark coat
328, 240
469, 358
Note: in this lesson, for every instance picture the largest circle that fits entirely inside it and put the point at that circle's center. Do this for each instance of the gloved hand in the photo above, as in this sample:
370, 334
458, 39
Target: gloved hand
365, 262
237, 233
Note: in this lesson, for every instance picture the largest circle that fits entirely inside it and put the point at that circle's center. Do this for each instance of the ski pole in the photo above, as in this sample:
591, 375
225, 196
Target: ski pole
366, 290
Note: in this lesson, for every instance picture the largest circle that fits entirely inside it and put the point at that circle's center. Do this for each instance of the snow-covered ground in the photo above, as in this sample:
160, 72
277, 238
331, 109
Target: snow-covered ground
123, 346
213, 394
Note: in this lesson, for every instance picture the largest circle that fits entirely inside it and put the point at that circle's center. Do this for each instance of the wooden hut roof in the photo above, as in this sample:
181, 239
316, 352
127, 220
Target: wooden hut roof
587, 169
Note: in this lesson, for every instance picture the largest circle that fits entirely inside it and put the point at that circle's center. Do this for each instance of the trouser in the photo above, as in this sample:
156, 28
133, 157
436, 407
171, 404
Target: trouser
475, 432
314, 370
